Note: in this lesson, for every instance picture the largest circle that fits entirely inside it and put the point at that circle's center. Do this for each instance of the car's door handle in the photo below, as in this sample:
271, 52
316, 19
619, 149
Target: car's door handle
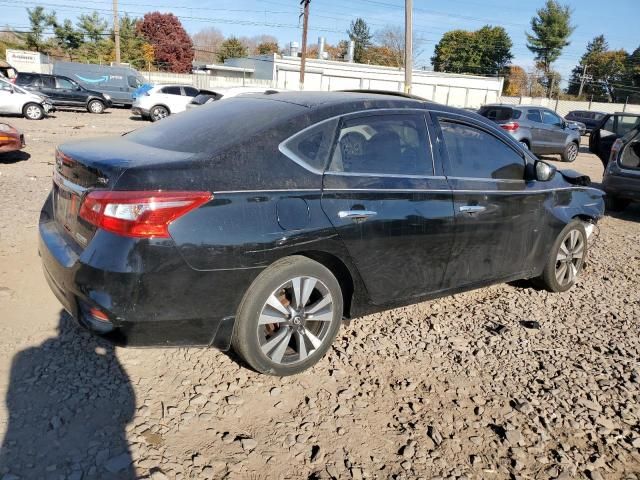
472, 208
357, 215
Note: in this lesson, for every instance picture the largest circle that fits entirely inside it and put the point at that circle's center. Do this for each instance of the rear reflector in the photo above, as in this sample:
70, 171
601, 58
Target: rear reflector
144, 214
511, 126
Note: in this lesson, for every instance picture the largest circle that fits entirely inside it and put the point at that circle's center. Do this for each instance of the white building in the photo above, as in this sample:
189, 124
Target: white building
284, 72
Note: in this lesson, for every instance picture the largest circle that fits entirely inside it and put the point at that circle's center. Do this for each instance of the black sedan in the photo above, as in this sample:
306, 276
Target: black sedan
261, 221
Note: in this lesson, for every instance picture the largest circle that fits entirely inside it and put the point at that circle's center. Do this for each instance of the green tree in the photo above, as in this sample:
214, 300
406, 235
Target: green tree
232, 47
632, 76
360, 34
93, 26
551, 29
39, 21
68, 38
266, 48
485, 51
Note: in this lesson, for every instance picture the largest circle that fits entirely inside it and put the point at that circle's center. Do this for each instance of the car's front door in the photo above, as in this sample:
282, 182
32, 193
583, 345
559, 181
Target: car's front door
556, 135
538, 133
393, 212
496, 216
68, 92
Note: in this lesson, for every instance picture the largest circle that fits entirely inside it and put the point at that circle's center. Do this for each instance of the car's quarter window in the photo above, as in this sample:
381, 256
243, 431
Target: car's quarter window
65, 84
390, 144
550, 118
534, 116
190, 91
171, 90
312, 146
475, 153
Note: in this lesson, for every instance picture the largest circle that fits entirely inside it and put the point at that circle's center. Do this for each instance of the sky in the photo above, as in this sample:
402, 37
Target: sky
617, 20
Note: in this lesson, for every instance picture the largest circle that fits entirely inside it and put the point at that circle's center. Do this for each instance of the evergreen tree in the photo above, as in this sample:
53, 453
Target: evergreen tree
360, 34
39, 21
232, 47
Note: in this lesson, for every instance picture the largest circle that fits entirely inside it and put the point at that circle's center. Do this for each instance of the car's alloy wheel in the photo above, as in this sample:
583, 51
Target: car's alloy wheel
295, 320
566, 258
158, 113
571, 152
33, 111
288, 317
96, 106
570, 258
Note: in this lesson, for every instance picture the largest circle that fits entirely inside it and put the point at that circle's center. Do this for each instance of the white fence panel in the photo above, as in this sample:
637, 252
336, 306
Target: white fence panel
565, 106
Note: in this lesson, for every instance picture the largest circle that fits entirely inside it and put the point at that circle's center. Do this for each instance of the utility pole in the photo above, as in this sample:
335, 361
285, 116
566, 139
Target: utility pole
303, 50
583, 78
116, 30
408, 45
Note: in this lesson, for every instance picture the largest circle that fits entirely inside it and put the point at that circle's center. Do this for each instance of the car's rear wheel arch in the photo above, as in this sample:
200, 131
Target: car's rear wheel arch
342, 273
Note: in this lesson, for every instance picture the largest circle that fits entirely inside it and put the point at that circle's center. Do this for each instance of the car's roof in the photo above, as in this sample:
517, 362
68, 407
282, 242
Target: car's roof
317, 99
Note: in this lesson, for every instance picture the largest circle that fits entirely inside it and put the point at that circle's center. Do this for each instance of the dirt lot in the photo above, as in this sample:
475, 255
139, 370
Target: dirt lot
469, 386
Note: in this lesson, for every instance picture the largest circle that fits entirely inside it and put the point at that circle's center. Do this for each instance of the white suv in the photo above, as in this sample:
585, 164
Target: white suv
15, 100
163, 100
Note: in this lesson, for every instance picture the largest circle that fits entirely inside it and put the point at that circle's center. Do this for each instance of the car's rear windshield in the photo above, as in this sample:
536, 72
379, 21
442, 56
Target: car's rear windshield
499, 114
215, 126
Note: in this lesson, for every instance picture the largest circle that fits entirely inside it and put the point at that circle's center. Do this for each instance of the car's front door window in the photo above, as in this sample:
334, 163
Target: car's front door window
550, 118
474, 153
65, 84
383, 145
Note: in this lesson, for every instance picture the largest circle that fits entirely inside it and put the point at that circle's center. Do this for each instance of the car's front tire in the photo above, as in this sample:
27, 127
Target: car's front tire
33, 111
570, 152
158, 113
288, 317
95, 106
566, 259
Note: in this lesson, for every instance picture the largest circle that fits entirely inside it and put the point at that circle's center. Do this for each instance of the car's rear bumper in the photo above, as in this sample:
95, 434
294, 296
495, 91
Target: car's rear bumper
148, 294
622, 186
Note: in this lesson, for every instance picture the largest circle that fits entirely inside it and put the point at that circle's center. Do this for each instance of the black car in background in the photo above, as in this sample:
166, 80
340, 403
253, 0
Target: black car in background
621, 179
590, 119
261, 221
611, 127
63, 91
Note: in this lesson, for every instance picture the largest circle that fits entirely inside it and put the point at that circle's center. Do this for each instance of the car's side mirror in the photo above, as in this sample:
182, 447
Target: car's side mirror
544, 171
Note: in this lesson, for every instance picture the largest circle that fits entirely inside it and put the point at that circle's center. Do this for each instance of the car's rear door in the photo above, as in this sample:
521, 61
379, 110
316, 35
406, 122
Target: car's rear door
496, 218
389, 205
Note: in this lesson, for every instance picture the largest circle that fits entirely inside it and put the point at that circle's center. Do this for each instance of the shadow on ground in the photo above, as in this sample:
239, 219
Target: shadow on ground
14, 157
69, 401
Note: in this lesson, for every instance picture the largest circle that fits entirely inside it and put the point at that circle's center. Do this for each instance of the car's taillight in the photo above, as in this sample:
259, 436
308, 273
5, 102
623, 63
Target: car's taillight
144, 214
615, 149
511, 126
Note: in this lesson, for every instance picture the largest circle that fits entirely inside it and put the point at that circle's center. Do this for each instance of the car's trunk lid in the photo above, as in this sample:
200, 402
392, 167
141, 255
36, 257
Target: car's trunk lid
88, 165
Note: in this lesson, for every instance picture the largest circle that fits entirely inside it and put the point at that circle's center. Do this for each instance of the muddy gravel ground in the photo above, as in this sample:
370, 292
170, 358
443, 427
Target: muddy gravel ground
503, 382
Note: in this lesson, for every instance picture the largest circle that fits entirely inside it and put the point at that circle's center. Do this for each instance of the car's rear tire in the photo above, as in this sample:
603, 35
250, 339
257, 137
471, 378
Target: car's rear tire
566, 259
33, 111
95, 106
158, 113
288, 317
570, 152
616, 204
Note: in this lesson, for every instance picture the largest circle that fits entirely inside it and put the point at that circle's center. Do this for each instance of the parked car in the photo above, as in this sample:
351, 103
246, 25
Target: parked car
536, 128
261, 221
611, 127
588, 118
621, 178
163, 100
579, 126
10, 138
206, 96
63, 91
7, 70
14, 100
119, 82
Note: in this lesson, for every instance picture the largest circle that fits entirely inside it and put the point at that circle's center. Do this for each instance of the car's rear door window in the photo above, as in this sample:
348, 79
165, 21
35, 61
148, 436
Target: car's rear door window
394, 144
476, 153
534, 116
48, 82
626, 123
171, 90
